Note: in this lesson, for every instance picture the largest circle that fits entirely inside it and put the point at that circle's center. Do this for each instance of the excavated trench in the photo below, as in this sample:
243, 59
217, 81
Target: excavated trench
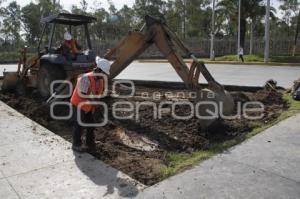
139, 146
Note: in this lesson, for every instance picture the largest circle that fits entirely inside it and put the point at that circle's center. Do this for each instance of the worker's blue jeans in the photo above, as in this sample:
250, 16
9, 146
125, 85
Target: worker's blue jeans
78, 129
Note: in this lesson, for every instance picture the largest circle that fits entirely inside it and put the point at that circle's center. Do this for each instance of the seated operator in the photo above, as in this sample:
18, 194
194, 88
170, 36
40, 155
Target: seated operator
70, 47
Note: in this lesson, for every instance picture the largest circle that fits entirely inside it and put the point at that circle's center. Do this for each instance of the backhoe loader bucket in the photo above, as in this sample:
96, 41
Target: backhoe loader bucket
10, 81
215, 101
211, 105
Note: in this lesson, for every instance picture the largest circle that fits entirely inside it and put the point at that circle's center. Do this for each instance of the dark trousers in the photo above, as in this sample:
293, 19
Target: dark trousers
242, 58
86, 118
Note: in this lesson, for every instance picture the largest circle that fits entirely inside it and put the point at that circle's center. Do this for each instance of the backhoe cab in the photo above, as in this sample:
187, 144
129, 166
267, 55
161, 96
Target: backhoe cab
50, 63
54, 64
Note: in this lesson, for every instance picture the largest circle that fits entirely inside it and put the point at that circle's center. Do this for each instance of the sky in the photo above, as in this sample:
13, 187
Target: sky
118, 3
68, 3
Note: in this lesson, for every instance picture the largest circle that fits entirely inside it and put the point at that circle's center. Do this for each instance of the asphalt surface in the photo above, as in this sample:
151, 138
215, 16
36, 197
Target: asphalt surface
243, 75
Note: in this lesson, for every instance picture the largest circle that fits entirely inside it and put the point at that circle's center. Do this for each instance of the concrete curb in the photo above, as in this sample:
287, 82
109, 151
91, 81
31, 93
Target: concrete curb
227, 62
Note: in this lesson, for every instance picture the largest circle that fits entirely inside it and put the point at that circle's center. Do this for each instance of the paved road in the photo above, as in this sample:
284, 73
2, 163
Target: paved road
243, 75
266, 166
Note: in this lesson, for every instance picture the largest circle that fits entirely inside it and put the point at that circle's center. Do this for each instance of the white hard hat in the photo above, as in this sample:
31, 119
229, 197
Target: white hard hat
103, 64
67, 36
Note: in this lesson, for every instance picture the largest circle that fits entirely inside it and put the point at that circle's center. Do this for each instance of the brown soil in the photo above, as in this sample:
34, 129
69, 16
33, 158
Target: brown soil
138, 148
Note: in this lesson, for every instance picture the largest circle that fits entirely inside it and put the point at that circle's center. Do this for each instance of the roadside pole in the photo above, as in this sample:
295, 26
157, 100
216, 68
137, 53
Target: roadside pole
267, 33
212, 41
239, 30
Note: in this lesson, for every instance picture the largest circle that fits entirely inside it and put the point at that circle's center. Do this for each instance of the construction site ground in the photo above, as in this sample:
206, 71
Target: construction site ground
140, 147
36, 163
139, 151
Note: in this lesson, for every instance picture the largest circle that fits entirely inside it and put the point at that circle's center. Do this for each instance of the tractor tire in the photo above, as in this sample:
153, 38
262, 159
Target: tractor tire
46, 75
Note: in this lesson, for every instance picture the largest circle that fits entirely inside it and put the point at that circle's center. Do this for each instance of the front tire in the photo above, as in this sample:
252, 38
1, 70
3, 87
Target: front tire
46, 75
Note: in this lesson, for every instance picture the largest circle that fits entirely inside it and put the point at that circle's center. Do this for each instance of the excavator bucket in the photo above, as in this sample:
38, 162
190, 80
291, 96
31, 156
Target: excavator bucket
10, 81
17, 81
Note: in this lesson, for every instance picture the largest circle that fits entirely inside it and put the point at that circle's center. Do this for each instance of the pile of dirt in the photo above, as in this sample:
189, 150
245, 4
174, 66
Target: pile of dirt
269, 97
139, 147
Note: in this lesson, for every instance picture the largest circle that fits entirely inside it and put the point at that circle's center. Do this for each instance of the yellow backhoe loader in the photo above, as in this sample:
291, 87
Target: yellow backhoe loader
46, 67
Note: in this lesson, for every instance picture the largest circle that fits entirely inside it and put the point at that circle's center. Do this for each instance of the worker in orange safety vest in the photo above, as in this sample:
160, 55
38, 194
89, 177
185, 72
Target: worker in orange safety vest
70, 47
88, 89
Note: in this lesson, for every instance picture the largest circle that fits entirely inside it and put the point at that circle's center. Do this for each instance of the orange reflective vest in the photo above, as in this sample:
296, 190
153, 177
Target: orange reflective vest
72, 46
78, 98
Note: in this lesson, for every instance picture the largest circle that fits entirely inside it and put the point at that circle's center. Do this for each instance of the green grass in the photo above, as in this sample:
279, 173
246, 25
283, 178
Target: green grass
249, 59
177, 162
260, 58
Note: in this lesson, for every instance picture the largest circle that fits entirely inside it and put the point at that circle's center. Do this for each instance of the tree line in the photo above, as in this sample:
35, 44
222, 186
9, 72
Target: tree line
189, 19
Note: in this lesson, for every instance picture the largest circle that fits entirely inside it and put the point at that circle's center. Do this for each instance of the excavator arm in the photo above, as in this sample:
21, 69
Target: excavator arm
158, 33
155, 32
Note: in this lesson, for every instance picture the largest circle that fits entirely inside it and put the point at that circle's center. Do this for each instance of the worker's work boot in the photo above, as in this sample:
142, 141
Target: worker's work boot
79, 149
91, 145
90, 140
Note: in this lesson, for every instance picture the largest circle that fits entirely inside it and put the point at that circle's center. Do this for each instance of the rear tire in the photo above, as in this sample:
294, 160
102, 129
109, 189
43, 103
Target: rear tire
46, 75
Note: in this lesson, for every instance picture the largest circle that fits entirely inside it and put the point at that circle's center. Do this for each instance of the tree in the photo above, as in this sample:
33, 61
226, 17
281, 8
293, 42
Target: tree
1, 10
48, 7
98, 28
32, 14
198, 18
31, 19
292, 19
112, 8
82, 9
296, 35
189, 18
290, 8
251, 9
111, 23
175, 15
256, 13
227, 13
127, 20
11, 23
155, 8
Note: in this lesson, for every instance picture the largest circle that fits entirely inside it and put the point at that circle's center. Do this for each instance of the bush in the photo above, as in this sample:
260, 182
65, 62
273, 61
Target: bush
260, 58
11, 56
